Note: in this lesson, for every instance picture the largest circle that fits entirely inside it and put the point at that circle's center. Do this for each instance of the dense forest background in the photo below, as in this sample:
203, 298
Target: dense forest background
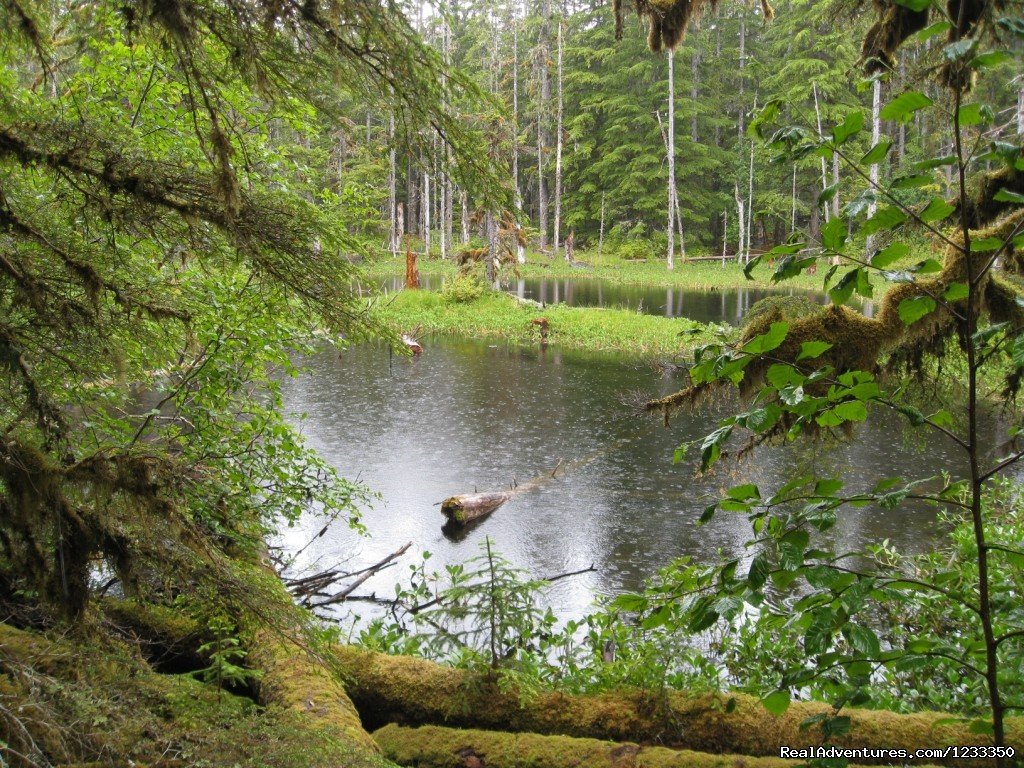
580, 121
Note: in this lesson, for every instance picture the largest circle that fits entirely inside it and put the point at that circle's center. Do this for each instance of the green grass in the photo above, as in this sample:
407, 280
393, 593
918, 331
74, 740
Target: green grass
500, 317
693, 275
698, 275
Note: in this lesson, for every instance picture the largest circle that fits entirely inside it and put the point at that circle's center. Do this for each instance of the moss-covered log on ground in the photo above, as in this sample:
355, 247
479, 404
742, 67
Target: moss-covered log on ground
411, 691
434, 747
292, 678
89, 698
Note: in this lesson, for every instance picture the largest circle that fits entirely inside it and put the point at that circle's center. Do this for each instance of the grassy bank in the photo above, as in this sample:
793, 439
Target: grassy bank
500, 317
697, 275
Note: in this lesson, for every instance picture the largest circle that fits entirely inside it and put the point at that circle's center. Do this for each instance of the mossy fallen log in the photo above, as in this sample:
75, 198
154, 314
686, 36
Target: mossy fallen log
291, 677
412, 691
435, 747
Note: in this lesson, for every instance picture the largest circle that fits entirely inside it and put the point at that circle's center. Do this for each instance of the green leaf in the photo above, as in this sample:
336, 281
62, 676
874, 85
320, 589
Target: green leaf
936, 210
766, 342
1006, 196
986, 244
990, 59
780, 376
959, 49
955, 292
935, 162
854, 410
912, 182
853, 123
890, 254
888, 217
912, 310
828, 193
833, 234
843, 290
877, 153
938, 28
903, 107
813, 349
760, 568
862, 639
914, 5
776, 703
744, 492
976, 114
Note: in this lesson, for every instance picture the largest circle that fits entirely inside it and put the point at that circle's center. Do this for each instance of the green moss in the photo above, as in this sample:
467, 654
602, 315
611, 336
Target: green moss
88, 697
416, 692
434, 747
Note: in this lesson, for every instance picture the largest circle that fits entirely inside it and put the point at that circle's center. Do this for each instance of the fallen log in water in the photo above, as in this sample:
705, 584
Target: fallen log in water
434, 747
469, 507
410, 691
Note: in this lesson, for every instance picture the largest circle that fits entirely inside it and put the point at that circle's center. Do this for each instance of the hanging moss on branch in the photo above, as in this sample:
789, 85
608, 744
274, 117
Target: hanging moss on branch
668, 20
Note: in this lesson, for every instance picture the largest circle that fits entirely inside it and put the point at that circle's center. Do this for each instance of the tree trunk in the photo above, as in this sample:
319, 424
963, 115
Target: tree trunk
750, 195
558, 144
393, 226
741, 118
412, 199
464, 206
694, 91
876, 130
492, 248
600, 236
792, 222
544, 89
835, 181
670, 151
741, 219
520, 250
824, 171
426, 214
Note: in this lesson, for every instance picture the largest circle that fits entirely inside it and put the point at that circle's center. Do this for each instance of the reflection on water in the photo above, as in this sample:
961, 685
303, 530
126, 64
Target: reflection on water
468, 416
716, 306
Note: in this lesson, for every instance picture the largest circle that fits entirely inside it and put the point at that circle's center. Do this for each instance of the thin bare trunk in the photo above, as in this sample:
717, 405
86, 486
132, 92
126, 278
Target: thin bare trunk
824, 171
464, 206
694, 91
835, 182
558, 145
792, 221
393, 227
741, 122
670, 151
876, 130
544, 91
741, 218
426, 213
520, 250
600, 236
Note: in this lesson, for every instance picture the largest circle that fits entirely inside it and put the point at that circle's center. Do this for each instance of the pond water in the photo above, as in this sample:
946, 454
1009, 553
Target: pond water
719, 306
468, 415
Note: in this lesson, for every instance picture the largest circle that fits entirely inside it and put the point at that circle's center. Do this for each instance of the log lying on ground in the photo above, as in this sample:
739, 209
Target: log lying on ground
470, 507
291, 678
434, 747
412, 691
